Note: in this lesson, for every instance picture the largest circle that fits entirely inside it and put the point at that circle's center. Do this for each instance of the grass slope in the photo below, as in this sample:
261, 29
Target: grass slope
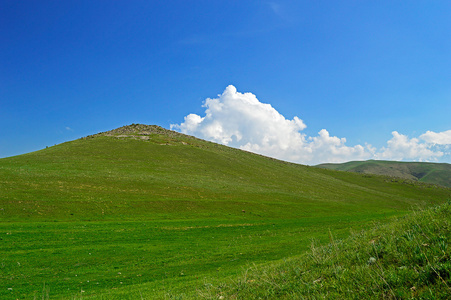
143, 209
436, 173
409, 258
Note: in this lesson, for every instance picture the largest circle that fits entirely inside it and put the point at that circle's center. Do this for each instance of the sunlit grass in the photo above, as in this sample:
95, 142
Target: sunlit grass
107, 216
408, 258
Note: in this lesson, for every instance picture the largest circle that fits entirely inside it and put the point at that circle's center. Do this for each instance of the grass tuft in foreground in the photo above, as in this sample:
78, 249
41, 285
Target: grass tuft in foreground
406, 259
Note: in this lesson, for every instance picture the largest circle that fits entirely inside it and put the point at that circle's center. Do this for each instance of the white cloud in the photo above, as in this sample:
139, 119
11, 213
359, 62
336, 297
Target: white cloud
400, 147
237, 119
240, 120
440, 138
190, 124
328, 148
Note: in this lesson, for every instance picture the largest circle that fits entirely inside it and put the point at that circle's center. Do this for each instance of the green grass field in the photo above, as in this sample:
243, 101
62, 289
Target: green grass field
407, 258
142, 212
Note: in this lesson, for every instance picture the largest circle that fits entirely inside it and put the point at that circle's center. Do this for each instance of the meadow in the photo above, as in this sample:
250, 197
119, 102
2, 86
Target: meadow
407, 258
142, 212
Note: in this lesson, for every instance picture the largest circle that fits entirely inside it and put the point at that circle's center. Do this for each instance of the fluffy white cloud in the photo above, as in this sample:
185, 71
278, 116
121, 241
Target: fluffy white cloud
400, 147
438, 138
240, 120
328, 148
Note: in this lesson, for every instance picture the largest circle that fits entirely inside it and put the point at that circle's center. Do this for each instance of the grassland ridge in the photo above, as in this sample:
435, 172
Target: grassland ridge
435, 173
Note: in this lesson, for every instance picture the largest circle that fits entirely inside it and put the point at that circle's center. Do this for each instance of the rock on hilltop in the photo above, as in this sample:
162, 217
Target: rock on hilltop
138, 130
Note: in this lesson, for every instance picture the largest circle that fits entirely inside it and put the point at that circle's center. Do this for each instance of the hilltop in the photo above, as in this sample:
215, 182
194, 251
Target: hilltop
141, 131
436, 173
142, 208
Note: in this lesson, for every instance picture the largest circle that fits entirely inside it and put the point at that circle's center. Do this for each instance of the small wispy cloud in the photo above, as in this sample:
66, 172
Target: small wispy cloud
281, 12
194, 40
275, 7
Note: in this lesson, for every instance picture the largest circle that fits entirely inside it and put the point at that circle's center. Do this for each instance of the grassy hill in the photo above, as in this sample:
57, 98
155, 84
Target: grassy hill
141, 210
436, 173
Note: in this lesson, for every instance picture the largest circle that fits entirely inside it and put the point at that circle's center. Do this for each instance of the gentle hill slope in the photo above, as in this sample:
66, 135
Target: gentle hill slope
436, 173
138, 170
148, 209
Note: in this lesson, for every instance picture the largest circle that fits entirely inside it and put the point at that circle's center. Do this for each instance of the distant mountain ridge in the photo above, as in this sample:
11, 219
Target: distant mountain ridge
436, 173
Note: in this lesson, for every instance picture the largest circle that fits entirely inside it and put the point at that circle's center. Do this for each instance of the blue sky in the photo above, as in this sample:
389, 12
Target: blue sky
365, 79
